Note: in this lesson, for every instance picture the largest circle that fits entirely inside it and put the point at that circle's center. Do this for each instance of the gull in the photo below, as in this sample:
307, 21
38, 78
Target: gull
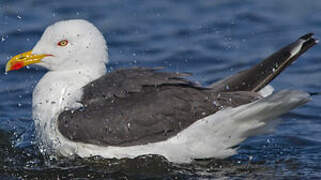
80, 109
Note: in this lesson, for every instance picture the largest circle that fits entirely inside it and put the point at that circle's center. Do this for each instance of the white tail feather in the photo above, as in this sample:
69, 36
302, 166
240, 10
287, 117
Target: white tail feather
266, 91
217, 134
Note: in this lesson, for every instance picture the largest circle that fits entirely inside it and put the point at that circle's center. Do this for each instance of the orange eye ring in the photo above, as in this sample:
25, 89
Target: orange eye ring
62, 43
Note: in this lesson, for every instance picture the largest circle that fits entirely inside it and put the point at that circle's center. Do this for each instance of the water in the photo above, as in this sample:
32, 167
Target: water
210, 39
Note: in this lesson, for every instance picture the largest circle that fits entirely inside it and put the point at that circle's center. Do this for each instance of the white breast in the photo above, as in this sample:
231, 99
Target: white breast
56, 92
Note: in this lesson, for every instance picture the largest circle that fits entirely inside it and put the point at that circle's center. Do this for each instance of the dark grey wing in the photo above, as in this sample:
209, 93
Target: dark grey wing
125, 81
139, 106
263, 73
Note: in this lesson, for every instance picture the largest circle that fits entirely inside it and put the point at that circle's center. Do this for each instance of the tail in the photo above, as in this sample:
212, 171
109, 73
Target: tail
257, 77
224, 130
261, 116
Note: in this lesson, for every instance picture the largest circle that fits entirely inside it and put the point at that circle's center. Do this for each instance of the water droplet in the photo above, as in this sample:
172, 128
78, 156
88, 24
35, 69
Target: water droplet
215, 103
52, 157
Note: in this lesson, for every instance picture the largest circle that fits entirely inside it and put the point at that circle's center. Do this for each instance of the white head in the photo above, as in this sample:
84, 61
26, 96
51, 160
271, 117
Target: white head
66, 45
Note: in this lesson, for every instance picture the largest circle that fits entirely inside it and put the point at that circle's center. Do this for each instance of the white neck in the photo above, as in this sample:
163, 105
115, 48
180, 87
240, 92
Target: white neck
55, 92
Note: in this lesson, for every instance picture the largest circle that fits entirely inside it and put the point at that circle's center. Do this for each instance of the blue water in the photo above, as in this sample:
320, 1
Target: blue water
211, 39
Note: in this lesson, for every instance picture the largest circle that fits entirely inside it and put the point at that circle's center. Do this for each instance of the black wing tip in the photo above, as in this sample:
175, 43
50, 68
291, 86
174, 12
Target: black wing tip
307, 36
309, 39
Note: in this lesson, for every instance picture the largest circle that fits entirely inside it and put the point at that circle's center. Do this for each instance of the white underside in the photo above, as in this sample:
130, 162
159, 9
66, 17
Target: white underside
211, 137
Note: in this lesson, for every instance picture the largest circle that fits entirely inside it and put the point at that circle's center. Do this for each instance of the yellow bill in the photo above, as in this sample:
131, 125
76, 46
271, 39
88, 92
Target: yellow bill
24, 59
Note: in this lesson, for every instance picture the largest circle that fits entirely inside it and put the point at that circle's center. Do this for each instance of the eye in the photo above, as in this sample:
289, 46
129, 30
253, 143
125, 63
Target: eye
62, 43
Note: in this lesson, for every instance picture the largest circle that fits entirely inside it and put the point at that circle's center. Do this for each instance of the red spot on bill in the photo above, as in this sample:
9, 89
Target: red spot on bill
17, 65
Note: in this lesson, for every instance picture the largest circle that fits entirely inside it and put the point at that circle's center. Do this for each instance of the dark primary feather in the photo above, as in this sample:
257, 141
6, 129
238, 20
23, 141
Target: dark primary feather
257, 77
139, 105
